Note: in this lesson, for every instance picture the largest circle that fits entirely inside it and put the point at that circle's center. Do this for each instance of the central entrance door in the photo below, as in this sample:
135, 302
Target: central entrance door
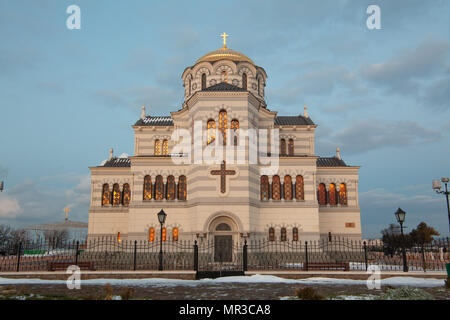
223, 248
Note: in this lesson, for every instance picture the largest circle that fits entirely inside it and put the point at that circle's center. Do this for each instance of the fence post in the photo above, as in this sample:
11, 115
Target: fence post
365, 255
306, 256
18, 255
423, 258
135, 252
76, 254
244, 260
195, 256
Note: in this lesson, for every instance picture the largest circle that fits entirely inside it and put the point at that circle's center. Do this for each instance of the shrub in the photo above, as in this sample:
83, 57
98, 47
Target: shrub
447, 283
127, 293
308, 293
406, 293
108, 292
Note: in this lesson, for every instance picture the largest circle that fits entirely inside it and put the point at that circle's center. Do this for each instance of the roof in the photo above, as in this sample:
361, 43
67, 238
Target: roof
117, 162
330, 162
224, 86
67, 224
155, 121
224, 54
293, 120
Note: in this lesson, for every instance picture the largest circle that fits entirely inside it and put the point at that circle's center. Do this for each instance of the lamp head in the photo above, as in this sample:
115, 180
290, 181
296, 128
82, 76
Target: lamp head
400, 215
437, 185
162, 216
445, 180
1, 185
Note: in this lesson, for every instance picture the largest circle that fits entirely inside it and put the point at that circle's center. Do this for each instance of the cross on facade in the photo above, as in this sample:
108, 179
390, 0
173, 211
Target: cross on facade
224, 37
223, 173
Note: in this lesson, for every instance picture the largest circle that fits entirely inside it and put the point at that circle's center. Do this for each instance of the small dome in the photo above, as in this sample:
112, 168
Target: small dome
224, 54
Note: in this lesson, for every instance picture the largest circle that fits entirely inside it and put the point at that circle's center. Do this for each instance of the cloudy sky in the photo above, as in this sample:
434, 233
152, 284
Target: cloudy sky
382, 96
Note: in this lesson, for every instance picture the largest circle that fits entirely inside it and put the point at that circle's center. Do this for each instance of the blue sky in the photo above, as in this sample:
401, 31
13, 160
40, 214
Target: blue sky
67, 96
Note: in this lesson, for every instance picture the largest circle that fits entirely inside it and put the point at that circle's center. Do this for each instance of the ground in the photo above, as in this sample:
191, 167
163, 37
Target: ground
230, 288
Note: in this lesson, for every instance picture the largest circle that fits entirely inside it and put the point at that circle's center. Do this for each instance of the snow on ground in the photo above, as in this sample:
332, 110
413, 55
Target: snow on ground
162, 282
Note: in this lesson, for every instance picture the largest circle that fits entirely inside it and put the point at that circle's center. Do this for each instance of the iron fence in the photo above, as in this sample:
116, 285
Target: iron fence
327, 254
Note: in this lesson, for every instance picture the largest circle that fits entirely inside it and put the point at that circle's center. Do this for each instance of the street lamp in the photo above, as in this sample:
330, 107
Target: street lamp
400, 215
161, 218
437, 185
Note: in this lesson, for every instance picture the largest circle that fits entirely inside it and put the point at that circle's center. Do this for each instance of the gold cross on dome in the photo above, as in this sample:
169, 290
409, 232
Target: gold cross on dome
67, 210
224, 37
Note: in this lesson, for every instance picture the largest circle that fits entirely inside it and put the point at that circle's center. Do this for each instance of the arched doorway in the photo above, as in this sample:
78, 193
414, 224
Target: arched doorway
223, 230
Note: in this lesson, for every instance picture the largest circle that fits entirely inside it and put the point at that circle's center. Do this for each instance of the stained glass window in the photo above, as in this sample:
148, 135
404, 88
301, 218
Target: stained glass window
182, 188
322, 197
291, 147
211, 131
170, 188
116, 195
151, 234
332, 195
159, 188
343, 194
164, 234
264, 188
295, 234
283, 147
276, 188
299, 193
165, 148
147, 188
126, 195
271, 234
287, 187
223, 125
106, 195
175, 234
204, 81
235, 130
157, 147
283, 234
244, 81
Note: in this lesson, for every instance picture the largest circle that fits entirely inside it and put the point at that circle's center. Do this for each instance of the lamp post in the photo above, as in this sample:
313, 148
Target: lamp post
400, 215
437, 185
161, 218
1, 186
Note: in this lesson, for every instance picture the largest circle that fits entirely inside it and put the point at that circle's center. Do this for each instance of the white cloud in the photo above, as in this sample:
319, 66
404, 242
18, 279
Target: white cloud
9, 207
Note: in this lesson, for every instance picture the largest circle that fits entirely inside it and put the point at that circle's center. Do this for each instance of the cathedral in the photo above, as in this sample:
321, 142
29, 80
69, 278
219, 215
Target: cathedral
224, 165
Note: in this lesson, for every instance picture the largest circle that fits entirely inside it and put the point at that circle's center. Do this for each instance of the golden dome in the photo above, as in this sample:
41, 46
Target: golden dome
224, 54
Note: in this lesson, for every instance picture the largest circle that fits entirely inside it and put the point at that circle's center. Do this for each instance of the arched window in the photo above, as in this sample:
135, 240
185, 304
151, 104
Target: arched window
283, 234
159, 188
223, 125
259, 86
147, 188
295, 234
211, 131
264, 188
106, 195
170, 188
322, 196
164, 234
118, 237
175, 234
224, 76
342, 194
126, 195
276, 188
204, 81
182, 188
223, 227
299, 193
271, 234
235, 130
291, 147
116, 195
157, 147
189, 84
332, 195
244, 81
282, 147
151, 234
287, 187
165, 148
